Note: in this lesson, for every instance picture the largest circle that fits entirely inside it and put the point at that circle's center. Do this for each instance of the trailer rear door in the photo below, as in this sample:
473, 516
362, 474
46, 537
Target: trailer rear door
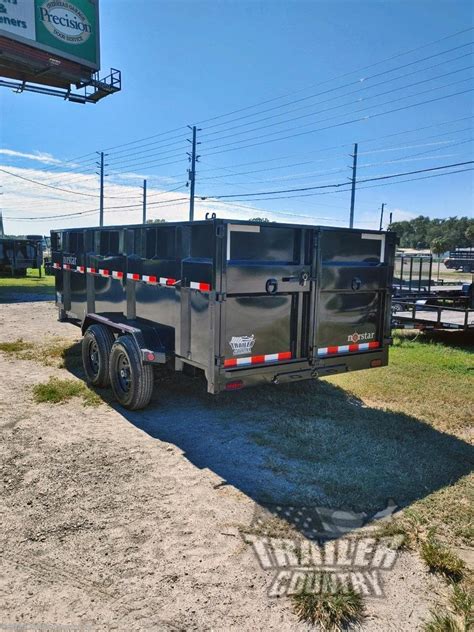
352, 293
262, 318
296, 293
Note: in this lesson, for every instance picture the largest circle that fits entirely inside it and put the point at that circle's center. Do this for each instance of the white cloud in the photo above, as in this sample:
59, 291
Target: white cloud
45, 158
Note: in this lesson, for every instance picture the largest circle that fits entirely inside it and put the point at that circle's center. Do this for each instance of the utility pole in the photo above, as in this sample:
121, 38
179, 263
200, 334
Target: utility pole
192, 172
381, 215
353, 191
144, 202
101, 201
2, 233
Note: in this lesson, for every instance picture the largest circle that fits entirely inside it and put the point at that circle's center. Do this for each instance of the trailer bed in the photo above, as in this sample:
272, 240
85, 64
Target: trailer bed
437, 317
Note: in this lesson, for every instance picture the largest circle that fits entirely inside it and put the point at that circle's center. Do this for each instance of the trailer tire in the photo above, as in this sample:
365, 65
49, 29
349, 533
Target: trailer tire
96, 347
131, 380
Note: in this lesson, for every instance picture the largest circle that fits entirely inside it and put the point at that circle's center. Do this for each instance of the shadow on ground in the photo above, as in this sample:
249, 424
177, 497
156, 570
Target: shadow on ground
306, 444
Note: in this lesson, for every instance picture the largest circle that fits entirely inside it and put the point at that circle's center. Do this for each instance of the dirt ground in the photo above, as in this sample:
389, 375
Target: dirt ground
131, 521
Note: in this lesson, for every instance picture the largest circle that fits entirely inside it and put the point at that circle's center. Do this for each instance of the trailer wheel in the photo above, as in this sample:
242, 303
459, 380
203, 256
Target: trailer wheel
96, 346
131, 380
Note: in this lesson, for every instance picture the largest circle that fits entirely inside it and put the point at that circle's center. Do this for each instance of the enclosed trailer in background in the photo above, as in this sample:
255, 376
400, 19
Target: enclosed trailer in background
246, 302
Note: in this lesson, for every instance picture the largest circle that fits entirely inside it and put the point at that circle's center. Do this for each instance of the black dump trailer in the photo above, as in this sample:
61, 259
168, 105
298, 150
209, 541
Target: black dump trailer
246, 302
17, 255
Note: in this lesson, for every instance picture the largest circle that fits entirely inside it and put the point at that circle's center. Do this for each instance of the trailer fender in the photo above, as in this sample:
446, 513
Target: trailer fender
146, 338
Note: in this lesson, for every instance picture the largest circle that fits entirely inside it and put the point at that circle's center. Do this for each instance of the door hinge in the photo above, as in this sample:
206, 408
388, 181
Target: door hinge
220, 297
220, 230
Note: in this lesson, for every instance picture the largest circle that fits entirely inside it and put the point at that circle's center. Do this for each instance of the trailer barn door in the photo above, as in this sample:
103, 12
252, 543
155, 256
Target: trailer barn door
262, 320
352, 292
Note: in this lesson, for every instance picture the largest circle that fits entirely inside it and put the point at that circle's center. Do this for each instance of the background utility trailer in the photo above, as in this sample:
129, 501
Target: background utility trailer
17, 255
246, 302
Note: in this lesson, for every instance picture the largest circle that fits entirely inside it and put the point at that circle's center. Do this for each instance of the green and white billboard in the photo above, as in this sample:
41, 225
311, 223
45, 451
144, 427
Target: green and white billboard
65, 28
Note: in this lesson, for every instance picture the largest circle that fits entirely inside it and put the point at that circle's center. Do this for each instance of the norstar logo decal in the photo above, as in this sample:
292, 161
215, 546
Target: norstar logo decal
65, 21
355, 337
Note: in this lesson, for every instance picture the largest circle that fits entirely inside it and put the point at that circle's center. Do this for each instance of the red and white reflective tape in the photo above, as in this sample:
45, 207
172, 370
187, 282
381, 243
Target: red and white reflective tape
205, 287
133, 276
154, 280
258, 359
363, 346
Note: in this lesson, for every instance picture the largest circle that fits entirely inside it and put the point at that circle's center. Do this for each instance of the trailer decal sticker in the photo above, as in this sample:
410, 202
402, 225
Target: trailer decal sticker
363, 346
206, 287
258, 359
356, 337
242, 344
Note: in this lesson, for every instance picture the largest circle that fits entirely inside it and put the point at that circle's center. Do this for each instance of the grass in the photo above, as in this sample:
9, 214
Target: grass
426, 378
54, 352
441, 559
56, 391
332, 610
458, 618
16, 348
29, 284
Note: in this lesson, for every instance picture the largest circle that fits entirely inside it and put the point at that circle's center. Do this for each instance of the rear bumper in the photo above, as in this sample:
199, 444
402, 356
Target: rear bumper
295, 371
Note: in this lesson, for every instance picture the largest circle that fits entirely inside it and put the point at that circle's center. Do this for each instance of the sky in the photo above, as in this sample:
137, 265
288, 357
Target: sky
273, 87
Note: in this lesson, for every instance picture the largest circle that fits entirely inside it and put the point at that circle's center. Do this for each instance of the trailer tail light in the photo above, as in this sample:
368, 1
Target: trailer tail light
150, 356
234, 385
376, 362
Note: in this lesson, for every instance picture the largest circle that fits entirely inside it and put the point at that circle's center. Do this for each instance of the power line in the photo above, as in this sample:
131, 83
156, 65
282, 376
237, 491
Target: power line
366, 140
346, 74
49, 186
158, 142
292, 129
133, 142
370, 186
357, 120
141, 156
96, 210
445, 144
358, 81
339, 184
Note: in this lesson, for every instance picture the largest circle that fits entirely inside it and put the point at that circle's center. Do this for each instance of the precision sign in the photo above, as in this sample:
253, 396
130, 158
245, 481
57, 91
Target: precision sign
67, 28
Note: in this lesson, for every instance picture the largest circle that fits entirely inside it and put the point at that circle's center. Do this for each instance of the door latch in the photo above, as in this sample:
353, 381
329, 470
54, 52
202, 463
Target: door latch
302, 279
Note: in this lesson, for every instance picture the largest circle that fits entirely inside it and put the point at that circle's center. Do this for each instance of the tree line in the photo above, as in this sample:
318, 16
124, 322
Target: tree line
440, 235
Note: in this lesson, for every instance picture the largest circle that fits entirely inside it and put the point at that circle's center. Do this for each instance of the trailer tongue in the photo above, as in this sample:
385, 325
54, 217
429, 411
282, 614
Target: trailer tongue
246, 302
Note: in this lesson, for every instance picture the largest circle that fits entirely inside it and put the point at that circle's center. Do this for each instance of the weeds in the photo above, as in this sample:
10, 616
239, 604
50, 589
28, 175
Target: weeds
333, 610
56, 391
16, 347
459, 618
56, 352
440, 559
